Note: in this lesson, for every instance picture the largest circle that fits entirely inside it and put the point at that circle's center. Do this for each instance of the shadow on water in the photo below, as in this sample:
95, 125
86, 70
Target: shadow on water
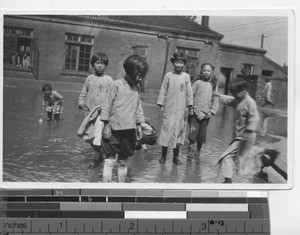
52, 152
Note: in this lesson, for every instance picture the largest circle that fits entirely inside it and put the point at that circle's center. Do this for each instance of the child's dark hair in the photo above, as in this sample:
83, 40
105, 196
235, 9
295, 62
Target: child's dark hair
178, 56
209, 64
237, 85
46, 87
135, 64
99, 56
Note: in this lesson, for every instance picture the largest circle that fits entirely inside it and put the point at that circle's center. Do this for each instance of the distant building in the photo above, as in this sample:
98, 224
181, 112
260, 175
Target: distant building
58, 47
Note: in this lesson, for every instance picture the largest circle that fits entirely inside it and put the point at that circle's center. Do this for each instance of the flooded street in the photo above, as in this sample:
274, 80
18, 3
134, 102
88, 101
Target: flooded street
52, 152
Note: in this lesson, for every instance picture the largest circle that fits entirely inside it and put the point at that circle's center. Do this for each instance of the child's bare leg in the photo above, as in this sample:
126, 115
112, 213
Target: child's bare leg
227, 168
49, 116
122, 170
107, 169
190, 154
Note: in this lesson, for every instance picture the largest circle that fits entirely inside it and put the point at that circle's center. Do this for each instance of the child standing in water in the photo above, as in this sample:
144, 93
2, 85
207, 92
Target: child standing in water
52, 103
205, 105
239, 153
175, 96
93, 94
122, 114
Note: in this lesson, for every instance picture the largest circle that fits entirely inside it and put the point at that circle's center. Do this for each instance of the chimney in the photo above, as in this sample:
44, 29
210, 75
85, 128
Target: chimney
205, 21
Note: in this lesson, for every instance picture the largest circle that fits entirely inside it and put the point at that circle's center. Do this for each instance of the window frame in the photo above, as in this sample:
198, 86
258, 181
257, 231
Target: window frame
251, 68
78, 44
138, 47
195, 56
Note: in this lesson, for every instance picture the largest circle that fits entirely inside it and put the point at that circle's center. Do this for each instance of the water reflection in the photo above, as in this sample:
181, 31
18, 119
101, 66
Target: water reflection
52, 152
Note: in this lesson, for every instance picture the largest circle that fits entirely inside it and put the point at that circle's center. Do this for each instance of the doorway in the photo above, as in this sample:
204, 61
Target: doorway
227, 73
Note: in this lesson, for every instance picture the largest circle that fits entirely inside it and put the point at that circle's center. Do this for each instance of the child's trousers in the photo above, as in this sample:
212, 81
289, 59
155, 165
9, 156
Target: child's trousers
109, 164
238, 157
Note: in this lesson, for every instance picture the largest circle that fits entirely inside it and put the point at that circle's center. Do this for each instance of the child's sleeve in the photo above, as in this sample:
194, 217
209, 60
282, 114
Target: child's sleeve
253, 117
140, 114
189, 92
214, 105
108, 102
163, 91
84, 91
57, 95
228, 100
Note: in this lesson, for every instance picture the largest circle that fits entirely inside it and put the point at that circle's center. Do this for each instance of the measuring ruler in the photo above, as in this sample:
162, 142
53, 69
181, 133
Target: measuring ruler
112, 211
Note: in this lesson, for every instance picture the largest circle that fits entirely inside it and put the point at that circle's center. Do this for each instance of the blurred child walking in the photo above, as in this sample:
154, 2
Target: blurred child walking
52, 103
238, 155
205, 104
92, 96
122, 114
175, 96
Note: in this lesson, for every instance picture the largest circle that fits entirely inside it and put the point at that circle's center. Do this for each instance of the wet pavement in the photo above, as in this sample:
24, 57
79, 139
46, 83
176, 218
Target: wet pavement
52, 152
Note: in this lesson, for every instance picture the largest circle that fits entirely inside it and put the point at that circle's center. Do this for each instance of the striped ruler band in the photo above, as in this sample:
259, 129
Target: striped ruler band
134, 212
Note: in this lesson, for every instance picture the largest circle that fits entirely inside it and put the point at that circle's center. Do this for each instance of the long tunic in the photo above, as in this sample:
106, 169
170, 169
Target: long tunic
94, 91
122, 107
268, 91
204, 100
175, 95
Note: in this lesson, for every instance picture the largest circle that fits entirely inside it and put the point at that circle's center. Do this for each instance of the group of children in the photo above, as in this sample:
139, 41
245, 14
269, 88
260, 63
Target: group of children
115, 114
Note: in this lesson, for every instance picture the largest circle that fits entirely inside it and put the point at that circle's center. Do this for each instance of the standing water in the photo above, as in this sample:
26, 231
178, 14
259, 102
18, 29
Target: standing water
40, 151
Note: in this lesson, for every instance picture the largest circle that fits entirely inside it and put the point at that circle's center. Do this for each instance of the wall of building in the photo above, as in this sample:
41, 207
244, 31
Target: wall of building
117, 44
236, 60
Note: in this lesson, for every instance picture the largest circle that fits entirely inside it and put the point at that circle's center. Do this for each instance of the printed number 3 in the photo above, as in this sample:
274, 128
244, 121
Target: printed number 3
203, 226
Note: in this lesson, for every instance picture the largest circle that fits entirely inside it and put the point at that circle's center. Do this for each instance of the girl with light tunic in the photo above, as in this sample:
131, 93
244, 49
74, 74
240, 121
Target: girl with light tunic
175, 96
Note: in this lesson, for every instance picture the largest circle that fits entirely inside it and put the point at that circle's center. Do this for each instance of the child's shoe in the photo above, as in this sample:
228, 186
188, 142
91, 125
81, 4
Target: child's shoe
176, 160
93, 165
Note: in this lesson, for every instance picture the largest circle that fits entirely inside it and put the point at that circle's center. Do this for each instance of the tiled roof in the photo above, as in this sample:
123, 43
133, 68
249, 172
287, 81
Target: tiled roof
179, 25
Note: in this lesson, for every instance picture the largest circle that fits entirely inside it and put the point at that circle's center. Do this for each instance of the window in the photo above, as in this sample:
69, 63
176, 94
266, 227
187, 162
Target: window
248, 69
78, 52
140, 50
267, 73
192, 61
18, 47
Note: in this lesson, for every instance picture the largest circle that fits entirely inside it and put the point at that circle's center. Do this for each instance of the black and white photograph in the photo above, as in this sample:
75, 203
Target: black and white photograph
148, 99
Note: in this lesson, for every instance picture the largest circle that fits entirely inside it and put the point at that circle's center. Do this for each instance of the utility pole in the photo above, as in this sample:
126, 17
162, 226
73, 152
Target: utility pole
262, 41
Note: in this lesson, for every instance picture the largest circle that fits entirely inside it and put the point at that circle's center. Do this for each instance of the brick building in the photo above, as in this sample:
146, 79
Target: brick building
58, 47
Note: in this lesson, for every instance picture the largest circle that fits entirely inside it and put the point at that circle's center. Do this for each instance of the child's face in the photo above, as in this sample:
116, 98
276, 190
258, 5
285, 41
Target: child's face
139, 78
239, 95
99, 67
178, 66
207, 71
47, 93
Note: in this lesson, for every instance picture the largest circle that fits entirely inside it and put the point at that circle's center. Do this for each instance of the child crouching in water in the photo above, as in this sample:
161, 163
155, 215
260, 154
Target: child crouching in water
238, 155
52, 103
122, 115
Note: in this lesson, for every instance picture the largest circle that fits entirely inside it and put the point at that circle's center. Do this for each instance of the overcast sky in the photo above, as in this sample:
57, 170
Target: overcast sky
246, 30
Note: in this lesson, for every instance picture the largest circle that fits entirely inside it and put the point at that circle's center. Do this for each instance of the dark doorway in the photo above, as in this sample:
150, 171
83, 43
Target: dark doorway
227, 72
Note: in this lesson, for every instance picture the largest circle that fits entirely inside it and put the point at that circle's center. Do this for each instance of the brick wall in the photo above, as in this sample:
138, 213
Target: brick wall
117, 44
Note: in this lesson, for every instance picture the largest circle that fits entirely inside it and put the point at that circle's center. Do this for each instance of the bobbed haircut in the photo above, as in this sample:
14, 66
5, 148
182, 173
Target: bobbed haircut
209, 64
135, 64
237, 85
99, 56
178, 56
46, 87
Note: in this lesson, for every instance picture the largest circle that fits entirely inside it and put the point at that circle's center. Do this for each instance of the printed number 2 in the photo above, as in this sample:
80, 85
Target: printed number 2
131, 226
203, 226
